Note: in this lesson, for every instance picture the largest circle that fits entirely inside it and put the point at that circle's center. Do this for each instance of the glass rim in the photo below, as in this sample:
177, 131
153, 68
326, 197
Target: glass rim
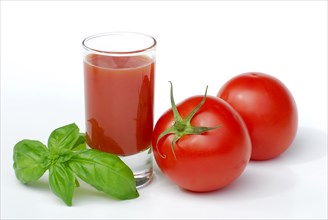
88, 48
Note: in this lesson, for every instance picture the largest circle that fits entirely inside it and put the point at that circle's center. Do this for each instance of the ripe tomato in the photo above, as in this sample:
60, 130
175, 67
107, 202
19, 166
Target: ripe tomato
193, 152
268, 109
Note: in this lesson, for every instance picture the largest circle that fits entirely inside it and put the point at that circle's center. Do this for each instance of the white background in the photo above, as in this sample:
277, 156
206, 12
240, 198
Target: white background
199, 43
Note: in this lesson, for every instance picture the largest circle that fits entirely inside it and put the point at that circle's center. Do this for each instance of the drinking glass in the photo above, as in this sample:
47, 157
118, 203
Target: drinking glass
119, 71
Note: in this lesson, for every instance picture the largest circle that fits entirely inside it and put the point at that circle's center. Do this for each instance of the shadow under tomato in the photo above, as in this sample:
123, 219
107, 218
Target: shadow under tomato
256, 182
259, 180
310, 144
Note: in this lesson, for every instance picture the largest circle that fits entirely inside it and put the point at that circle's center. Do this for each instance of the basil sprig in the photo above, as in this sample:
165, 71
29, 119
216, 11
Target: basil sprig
67, 157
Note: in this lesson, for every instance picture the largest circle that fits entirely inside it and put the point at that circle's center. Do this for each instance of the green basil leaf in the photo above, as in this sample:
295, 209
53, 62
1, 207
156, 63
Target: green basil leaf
64, 155
105, 172
30, 160
62, 182
80, 143
63, 137
77, 184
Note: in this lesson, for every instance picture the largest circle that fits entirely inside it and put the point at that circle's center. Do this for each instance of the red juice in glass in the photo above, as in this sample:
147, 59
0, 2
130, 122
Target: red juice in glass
119, 103
119, 70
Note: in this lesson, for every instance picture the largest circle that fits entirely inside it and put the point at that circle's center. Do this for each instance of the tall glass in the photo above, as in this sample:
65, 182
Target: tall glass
119, 71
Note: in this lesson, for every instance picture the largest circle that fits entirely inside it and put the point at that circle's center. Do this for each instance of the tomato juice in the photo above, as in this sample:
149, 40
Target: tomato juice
119, 99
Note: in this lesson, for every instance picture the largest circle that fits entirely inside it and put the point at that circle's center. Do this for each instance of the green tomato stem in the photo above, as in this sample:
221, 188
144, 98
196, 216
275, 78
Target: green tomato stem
182, 127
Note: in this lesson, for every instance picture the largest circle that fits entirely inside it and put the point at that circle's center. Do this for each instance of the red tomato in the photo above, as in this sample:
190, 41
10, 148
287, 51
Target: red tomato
268, 109
207, 161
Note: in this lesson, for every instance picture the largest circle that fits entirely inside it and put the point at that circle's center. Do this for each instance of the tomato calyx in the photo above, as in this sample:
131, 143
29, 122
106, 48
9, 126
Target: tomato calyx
182, 127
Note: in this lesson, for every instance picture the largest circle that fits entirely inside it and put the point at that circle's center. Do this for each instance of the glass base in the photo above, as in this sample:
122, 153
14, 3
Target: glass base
141, 165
